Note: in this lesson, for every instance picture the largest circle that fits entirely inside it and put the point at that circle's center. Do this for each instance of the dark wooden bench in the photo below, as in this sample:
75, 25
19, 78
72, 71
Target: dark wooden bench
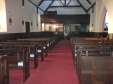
48, 42
13, 60
75, 45
51, 41
41, 43
95, 69
32, 49
4, 70
88, 43
85, 42
82, 40
41, 46
75, 60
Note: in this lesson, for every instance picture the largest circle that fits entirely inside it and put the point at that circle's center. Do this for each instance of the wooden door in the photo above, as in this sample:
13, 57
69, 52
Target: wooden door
27, 29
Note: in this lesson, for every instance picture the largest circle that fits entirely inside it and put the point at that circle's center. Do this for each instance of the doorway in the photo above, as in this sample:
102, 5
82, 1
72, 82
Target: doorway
27, 29
66, 32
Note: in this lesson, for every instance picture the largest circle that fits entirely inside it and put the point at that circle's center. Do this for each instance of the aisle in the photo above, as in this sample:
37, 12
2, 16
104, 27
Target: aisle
57, 68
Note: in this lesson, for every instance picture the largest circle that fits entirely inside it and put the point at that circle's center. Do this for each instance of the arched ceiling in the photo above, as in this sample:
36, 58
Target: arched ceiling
44, 5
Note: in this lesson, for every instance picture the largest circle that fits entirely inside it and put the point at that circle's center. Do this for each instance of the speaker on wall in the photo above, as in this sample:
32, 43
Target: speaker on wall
22, 22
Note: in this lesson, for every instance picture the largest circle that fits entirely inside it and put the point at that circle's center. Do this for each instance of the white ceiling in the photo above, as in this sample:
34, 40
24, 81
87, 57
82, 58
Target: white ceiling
36, 1
46, 3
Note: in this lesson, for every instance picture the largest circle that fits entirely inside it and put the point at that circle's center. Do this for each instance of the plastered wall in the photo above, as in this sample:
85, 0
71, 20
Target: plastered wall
18, 14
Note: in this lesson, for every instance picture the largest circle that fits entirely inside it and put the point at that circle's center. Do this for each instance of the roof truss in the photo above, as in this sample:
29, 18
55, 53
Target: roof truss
48, 7
36, 5
63, 5
89, 2
82, 6
91, 6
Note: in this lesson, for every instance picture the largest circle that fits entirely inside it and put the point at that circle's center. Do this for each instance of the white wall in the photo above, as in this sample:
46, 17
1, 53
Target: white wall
3, 23
109, 7
92, 20
17, 13
67, 10
43, 27
34, 27
99, 16
39, 23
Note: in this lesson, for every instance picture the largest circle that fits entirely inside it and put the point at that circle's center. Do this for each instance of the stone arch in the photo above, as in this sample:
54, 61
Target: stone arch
101, 20
109, 6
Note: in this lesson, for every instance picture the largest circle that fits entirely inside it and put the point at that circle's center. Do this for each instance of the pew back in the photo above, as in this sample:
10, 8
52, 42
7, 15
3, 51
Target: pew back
4, 70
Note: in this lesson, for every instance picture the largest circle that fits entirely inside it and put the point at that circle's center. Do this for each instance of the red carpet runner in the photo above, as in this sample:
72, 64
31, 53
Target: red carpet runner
57, 68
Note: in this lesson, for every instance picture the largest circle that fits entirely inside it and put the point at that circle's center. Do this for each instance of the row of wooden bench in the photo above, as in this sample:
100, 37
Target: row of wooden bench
17, 53
93, 60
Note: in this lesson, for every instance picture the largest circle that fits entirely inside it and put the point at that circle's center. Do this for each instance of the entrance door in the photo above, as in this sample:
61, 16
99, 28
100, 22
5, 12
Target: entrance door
77, 30
27, 29
66, 32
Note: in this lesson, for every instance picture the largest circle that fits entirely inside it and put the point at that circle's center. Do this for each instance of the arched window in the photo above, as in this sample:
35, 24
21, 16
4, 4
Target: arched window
106, 22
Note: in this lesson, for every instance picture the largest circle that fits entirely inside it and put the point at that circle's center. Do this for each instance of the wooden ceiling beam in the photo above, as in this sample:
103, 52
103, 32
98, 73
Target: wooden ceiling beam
91, 6
61, 3
35, 5
89, 2
68, 2
40, 2
82, 6
48, 6
65, 6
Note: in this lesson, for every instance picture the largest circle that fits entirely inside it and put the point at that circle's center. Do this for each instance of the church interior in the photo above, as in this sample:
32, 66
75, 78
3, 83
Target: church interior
56, 41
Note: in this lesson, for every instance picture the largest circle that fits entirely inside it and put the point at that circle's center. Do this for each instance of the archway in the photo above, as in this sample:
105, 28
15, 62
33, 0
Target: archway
3, 21
109, 6
102, 18
106, 22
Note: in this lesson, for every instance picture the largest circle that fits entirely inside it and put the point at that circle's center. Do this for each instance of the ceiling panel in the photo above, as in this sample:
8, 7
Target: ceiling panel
92, 1
36, 1
45, 4
85, 4
57, 3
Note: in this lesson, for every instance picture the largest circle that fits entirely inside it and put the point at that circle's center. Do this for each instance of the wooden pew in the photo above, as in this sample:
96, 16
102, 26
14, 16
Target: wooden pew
95, 69
48, 42
51, 41
40, 48
75, 39
42, 44
4, 70
100, 53
82, 40
87, 42
32, 49
87, 46
13, 60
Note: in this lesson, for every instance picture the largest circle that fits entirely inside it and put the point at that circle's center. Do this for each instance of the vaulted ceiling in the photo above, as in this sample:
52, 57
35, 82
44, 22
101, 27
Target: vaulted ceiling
44, 5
